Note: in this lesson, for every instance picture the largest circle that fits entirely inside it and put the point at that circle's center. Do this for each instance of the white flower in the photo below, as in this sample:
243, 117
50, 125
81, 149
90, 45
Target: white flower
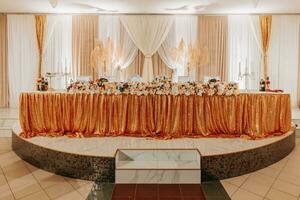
221, 89
211, 85
159, 92
229, 92
187, 93
211, 92
199, 92
175, 90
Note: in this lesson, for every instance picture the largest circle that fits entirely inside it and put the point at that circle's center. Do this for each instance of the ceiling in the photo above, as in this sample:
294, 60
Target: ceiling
152, 6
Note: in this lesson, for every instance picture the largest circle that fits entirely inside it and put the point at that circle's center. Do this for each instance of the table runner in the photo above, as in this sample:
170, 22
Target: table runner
158, 116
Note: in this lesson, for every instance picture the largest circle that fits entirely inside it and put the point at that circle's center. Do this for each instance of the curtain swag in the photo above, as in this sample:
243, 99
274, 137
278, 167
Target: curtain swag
266, 27
40, 21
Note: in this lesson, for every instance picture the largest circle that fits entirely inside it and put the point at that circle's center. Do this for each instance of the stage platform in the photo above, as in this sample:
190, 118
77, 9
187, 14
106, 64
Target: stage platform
94, 158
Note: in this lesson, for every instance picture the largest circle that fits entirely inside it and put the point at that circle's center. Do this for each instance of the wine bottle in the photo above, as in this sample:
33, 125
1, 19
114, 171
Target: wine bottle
268, 83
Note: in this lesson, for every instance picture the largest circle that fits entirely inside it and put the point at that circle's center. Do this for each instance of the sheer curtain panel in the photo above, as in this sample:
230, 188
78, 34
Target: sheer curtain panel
244, 51
283, 54
57, 54
184, 28
22, 56
147, 32
124, 50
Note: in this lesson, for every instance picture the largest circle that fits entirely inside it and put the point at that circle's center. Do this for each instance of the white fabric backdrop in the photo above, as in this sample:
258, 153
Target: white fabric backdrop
256, 30
110, 26
147, 32
243, 48
284, 55
22, 56
57, 53
184, 27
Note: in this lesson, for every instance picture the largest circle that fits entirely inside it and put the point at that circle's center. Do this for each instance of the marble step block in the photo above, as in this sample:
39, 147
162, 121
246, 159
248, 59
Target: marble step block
178, 166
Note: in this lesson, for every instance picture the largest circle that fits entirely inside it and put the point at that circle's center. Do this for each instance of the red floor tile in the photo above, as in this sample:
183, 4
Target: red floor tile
193, 198
124, 190
158, 192
147, 190
167, 190
191, 190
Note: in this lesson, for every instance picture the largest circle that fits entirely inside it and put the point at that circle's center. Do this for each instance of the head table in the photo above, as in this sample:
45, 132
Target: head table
250, 115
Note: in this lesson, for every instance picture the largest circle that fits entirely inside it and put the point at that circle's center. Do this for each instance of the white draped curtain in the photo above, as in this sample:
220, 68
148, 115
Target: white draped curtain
244, 50
148, 32
184, 28
109, 27
284, 54
57, 53
124, 50
256, 31
22, 56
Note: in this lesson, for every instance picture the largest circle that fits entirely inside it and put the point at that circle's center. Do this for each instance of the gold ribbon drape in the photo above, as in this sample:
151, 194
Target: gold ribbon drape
266, 27
40, 21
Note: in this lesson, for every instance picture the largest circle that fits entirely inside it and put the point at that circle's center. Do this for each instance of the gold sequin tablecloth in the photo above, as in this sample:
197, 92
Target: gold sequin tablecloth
252, 115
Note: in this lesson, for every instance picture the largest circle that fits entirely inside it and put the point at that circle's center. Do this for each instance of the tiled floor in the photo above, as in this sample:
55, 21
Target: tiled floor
8, 117
20, 180
280, 181
9, 113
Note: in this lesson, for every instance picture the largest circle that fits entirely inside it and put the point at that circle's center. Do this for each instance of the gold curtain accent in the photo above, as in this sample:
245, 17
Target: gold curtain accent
40, 21
212, 35
160, 116
266, 29
85, 33
3, 62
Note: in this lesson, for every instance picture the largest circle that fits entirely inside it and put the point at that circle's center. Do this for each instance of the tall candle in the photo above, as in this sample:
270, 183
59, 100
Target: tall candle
246, 66
65, 63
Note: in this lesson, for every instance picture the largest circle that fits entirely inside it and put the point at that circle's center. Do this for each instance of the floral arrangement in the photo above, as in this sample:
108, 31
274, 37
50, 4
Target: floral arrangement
42, 84
159, 86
